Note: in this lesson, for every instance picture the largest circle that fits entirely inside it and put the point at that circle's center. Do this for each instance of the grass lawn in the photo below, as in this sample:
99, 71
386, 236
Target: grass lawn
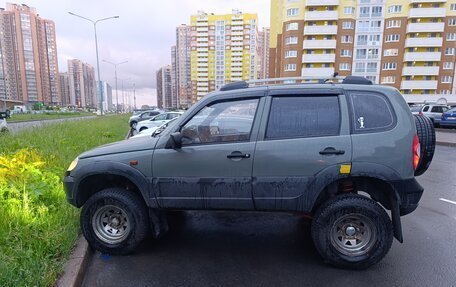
46, 116
38, 228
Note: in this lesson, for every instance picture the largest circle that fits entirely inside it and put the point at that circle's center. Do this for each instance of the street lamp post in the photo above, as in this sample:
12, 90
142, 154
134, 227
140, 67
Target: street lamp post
115, 73
123, 93
134, 95
94, 22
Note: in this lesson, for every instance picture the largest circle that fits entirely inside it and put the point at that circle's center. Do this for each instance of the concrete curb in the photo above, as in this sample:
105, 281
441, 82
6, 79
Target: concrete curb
76, 266
445, 144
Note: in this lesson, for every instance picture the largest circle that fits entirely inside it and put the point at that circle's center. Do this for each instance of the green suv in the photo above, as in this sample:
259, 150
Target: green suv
341, 152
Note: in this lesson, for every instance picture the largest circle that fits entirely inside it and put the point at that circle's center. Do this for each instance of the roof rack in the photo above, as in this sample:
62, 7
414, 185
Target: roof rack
298, 80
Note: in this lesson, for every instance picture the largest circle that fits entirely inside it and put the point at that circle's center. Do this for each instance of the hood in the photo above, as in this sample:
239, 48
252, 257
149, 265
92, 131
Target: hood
130, 145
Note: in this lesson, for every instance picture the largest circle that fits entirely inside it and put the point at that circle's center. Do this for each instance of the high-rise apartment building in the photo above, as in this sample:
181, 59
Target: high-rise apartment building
28, 62
263, 53
164, 88
408, 44
65, 89
174, 77
224, 49
82, 84
107, 95
182, 66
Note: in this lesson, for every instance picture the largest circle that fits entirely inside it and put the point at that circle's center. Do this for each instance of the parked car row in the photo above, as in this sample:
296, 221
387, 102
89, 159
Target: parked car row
433, 111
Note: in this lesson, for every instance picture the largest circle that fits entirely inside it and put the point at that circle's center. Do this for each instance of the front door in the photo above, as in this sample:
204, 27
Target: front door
213, 169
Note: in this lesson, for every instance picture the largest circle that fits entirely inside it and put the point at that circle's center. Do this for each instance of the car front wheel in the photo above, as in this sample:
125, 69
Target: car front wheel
352, 231
114, 221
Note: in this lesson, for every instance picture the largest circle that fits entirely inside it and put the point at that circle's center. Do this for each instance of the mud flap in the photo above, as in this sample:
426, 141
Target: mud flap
396, 218
158, 222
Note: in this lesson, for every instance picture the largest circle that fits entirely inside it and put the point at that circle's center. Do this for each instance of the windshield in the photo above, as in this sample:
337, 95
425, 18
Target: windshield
415, 109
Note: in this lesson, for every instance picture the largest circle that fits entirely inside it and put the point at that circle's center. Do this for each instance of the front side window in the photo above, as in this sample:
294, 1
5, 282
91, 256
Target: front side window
161, 117
303, 116
371, 112
221, 122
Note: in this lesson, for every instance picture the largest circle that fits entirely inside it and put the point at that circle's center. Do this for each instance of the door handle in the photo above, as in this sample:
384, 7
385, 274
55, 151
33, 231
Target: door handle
331, 150
238, 154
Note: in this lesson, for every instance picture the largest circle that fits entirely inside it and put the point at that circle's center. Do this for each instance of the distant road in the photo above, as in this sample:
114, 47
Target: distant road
18, 126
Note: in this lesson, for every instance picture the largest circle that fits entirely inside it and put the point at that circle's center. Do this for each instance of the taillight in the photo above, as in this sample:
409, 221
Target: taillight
416, 152
420, 113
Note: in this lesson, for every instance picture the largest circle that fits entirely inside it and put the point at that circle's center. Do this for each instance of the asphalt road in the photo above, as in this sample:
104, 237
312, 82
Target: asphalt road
257, 249
15, 127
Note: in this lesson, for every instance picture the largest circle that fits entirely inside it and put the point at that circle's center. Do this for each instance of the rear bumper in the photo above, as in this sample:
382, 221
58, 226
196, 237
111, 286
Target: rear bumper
410, 192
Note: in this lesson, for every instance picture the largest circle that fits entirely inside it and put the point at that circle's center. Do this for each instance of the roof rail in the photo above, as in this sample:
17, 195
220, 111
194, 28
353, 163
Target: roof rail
235, 86
296, 80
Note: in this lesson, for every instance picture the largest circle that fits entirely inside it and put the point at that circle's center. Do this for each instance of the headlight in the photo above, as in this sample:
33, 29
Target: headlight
73, 164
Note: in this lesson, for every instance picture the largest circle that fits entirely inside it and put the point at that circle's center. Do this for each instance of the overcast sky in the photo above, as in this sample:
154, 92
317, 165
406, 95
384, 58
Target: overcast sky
143, 34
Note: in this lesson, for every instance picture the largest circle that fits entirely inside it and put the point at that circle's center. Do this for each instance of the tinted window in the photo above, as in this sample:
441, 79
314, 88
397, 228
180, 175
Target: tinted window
303, 117
426, 108
221, 122
371, 112
437, 109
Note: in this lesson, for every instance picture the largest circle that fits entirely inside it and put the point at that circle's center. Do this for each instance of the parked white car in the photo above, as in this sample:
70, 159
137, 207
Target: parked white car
157, 120
3, 125
154, 130
433, 111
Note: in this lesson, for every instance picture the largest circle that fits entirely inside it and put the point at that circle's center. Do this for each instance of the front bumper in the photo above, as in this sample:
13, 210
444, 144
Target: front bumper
69, 184
410, 192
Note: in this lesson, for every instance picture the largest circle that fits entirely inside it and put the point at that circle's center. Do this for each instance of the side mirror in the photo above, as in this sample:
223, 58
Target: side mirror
174, 141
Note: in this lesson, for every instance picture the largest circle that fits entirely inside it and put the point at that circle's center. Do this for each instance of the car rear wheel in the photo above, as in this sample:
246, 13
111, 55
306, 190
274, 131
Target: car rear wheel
426, 136
352, 231
114, 221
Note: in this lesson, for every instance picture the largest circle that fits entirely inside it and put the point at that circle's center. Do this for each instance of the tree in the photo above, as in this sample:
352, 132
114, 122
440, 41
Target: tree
145, 107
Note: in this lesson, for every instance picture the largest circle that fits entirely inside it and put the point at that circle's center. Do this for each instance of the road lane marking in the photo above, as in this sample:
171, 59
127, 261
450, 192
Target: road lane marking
447, 200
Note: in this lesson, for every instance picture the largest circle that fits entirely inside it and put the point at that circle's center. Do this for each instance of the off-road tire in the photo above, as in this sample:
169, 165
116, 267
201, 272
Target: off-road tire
426, 135
127, 201
351, 205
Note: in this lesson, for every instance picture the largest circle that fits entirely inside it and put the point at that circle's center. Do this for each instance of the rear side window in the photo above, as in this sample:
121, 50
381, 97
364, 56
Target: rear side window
437, 109
298, 117
371, 112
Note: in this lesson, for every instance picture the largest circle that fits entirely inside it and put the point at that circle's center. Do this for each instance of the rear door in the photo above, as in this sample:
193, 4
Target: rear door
303, 136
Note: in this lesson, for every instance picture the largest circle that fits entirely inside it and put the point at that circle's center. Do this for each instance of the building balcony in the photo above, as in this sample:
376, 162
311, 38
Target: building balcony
202, 35
419, 85
322, 3
423, 42
321, 15
317, 72
420, 71
320, 30
427, 1
203, 44
239, 48
425, 27
319, 44
237, 33
202, 75
202, 49
202, 29
422, 56
202, 69
236, 74
427, 12
318, 58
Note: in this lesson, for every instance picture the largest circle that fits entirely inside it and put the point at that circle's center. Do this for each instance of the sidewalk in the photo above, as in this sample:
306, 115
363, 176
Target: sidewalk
446, 137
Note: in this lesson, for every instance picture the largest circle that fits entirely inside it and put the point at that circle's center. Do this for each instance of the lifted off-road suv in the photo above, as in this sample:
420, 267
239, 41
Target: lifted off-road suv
342, 152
